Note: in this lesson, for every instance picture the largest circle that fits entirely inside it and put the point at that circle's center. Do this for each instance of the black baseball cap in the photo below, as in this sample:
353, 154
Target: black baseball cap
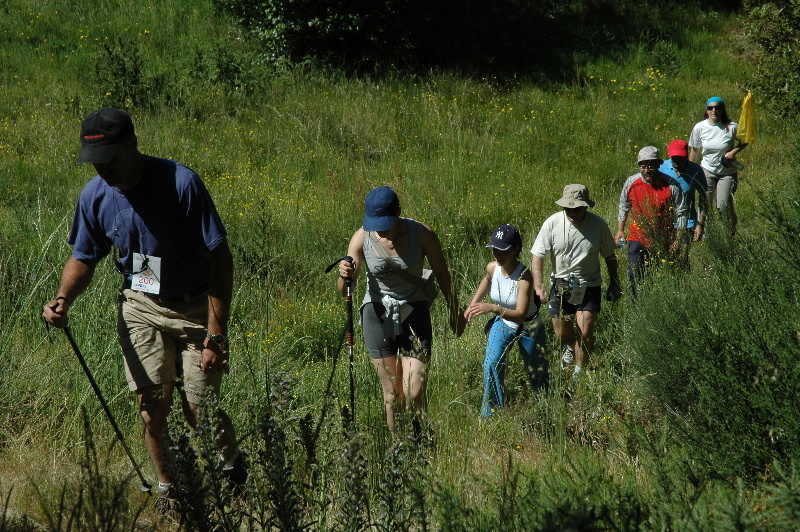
504, 238
101, 134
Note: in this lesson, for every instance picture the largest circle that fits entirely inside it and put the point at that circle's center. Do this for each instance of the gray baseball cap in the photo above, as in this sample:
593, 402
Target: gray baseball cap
649, 153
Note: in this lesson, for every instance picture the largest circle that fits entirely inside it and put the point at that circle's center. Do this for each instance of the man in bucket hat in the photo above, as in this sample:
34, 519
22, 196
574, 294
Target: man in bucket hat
170, 245
657, 207
575, 239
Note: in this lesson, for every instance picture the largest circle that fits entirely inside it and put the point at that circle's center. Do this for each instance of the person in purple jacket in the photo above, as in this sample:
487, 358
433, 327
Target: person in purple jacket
170, 246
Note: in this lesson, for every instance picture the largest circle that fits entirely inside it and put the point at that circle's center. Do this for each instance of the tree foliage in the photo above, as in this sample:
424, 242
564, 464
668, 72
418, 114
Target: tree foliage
497, 37
773, 31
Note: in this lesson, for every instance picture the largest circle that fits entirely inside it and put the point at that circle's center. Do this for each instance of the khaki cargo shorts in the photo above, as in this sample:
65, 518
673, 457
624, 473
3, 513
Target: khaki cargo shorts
163, 342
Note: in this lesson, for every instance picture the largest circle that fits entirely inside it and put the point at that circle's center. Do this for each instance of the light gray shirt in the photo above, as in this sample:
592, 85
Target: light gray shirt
383, 280
575, 249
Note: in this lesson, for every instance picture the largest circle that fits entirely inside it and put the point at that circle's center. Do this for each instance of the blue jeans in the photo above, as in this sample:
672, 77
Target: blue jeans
531, 349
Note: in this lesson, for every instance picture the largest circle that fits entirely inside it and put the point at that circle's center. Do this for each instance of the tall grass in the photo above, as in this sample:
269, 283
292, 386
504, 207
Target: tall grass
644, 442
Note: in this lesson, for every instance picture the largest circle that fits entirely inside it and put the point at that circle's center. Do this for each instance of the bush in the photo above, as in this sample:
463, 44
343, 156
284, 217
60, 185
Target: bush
122, 75
487, 37
335, 31
719, 349
773, 33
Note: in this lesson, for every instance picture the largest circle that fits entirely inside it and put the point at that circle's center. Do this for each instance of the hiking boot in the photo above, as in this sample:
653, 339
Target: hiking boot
568, 357
236, 476
166, 507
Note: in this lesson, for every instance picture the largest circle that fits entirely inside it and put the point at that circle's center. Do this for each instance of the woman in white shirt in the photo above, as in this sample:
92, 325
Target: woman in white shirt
715, 138
509, 284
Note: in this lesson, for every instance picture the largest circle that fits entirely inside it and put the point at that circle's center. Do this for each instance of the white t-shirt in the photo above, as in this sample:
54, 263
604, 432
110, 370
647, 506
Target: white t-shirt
575, 249
715, 140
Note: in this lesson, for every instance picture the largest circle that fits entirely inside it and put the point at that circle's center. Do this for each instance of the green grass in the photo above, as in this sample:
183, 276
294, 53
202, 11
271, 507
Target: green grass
289, 159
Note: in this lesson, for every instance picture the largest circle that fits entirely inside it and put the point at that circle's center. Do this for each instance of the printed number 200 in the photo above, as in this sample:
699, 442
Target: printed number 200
145, 280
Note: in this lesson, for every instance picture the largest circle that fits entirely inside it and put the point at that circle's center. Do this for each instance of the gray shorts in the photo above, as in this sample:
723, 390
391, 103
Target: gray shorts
414, 341
163, 343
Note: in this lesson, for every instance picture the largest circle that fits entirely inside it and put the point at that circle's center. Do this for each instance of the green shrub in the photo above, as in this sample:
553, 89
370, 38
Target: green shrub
772, 30
719, 348
122, 75
783, 499
330, 32
549, 40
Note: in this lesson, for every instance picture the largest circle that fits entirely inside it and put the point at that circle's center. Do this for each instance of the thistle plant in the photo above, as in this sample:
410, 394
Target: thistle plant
288, 512
353, 509
401, 492
189, 485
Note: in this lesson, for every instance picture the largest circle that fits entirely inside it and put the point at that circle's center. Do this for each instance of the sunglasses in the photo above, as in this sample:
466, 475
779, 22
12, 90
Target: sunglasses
648, 166
121, 269
713, 108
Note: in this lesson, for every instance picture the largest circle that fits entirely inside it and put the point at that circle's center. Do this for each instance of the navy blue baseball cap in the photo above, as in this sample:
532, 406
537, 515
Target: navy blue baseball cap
380, 209
101, 134
504, 238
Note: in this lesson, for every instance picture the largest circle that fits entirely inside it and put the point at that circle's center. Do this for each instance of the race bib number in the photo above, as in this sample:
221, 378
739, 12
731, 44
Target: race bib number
148, 274
578, 292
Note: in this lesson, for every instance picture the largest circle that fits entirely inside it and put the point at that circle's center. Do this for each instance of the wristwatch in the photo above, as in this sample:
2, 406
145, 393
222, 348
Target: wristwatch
218, 339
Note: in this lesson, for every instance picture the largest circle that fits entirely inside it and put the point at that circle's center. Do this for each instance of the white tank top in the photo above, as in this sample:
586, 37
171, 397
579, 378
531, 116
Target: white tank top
505, 290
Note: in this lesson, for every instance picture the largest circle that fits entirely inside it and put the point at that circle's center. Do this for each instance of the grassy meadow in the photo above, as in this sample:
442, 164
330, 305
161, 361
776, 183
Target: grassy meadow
289, 158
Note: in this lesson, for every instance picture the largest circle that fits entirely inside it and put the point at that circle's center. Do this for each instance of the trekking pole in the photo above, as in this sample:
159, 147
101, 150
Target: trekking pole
349, 300
145, 486
349, 331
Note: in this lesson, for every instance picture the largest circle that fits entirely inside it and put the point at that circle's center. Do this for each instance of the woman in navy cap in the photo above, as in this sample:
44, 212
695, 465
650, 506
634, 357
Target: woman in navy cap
515, 316
395, 314
714, 138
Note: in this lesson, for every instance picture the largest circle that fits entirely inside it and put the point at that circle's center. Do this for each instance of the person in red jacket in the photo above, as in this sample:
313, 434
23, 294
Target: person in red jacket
658, 211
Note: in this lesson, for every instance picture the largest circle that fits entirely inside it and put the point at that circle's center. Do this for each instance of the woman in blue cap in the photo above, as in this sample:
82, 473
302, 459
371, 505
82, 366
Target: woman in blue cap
515, 316
715, 138
395, 314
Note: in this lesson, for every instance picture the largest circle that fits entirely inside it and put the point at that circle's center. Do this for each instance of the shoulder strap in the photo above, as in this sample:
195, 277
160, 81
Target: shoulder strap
418, 281
522, 271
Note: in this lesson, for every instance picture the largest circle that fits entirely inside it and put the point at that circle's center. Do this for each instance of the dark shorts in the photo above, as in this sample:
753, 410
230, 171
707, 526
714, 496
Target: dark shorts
559, 305
414, 341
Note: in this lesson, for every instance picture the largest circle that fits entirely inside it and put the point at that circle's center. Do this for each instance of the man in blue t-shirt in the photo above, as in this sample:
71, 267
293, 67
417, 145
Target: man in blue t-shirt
692, 180
169, 243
